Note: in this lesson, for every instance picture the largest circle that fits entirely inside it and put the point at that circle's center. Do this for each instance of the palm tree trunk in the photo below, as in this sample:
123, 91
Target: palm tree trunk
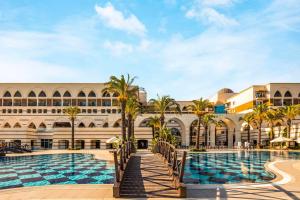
215, 135
123, 119
248, 134
132, 128
259, 136
153, 131
198, 134
162, 121
205, 136
129, 130
289, 128
73, 132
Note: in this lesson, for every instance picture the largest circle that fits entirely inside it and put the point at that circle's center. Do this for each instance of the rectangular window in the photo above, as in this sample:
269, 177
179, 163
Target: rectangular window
46, 143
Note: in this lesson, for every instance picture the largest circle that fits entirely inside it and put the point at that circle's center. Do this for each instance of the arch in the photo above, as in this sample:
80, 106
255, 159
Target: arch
184, 109
42, 126
32, 125
175, 132
92, 94
116, 94
105, 94
288, 94
67, 94
17, 125
61, 124
81, 94
92, 125
31, 94
42, 94
7, 94
81, 125
56, 94
17, 94
144, 122
193, 132
178, 128
105, 125
117, 124
277, 94
7, 125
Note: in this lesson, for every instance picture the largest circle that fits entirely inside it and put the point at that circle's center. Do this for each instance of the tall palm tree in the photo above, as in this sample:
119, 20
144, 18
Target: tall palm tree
154, 123
206, 121
199, 108
219, 123
132, 110
125, 88
259, 115
273, 116
163, 104
72, 112
249, 120
289, 114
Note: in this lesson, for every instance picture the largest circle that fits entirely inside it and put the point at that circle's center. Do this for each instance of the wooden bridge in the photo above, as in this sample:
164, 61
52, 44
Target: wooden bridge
148, 174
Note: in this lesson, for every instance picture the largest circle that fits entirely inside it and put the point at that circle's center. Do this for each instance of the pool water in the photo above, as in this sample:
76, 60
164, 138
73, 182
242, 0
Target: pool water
221, 168
54, 169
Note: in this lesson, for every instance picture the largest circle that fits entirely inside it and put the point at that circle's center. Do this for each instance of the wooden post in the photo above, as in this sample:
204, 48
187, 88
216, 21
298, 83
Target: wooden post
182, 167
116, 167
121, 159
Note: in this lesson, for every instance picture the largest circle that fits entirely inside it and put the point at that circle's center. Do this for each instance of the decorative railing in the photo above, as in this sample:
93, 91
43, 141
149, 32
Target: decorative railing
175, 165
121, 158
13, 147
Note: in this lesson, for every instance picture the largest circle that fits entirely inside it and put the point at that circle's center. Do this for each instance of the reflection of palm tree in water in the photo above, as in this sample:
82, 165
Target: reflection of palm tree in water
73, 164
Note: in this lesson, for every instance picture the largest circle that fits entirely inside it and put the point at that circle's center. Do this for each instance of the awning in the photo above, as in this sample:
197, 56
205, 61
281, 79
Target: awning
113, 140
281, 139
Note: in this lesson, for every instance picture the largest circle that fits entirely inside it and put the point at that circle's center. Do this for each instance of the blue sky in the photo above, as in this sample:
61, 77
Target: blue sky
184, 48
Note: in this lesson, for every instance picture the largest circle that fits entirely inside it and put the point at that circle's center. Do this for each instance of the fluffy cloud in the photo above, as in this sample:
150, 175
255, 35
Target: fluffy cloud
115, 19
118, 48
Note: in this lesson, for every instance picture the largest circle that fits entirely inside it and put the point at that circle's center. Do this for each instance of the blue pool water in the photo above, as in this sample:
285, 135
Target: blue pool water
54, 169
221, 168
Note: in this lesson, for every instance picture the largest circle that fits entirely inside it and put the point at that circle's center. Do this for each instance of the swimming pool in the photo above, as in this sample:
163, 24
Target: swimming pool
41, 170
238, 167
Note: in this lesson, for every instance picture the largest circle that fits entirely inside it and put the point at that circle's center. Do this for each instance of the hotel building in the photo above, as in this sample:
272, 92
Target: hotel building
32, 114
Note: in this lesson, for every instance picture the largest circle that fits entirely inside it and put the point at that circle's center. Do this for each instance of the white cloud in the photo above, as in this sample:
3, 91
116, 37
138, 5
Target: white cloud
118, 48
217, 2
115, 19
211, 16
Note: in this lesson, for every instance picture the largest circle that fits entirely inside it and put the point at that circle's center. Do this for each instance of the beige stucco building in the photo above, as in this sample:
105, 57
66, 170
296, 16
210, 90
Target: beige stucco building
32, 113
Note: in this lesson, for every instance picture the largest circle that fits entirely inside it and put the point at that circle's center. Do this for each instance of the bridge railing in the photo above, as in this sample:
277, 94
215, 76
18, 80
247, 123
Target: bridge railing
175, 165
121, 158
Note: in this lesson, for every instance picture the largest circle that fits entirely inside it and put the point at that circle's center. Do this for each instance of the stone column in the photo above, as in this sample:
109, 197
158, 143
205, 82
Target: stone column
212, 135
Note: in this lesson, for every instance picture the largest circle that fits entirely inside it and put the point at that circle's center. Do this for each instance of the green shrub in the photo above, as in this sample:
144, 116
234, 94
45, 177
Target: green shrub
198, 150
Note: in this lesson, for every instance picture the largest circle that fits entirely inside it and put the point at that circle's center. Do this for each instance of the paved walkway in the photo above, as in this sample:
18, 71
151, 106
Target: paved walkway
147, 176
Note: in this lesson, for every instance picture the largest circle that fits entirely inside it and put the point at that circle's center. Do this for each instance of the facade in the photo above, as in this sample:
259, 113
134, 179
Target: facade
32, 114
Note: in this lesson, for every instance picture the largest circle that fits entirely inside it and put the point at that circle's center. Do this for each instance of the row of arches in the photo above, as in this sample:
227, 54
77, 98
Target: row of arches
55, 125
286, 94
57, 94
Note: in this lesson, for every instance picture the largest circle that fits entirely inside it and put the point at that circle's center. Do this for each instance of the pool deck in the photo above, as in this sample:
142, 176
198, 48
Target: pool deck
285, 186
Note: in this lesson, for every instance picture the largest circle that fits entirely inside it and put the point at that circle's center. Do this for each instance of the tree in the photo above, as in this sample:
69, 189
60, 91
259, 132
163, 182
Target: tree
132, 110
154, 123
249, 120
289, 114
163, 104
259, 115
72, 112
199, 108
206, 121
124, 88
273, 116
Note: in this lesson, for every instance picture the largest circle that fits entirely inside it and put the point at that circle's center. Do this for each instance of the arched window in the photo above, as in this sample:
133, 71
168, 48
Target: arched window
105, 125
184, 109
56, 94
7, 125
67, 94
277, 94
115, 94
92, 125
31, 125
42, 126
17, 125
42, 94
288, 94
81, 94
81, 125
92, 94
31, 94
117, 124
105, 94
7, 94
17, 94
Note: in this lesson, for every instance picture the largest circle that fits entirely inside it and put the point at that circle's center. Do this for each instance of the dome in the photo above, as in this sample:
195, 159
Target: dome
225, 91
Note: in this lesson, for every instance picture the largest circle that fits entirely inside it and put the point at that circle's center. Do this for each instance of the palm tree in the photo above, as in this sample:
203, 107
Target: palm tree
248, 118
199, 108
219, 123
259, 115
154, 123
273, 116
206, 121
72, 112
124, 87
289, 114
132, 110
163, 104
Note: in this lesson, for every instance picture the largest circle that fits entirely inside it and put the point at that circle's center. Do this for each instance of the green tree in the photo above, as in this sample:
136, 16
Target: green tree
259, 116
289, 114
125, 89
273, 116
199, 108
132, 110
163, 104
72, 112
206, 121
154, 123
249, 120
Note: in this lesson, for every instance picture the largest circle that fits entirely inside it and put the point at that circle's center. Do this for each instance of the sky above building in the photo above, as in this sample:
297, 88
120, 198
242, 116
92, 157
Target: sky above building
184, 48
